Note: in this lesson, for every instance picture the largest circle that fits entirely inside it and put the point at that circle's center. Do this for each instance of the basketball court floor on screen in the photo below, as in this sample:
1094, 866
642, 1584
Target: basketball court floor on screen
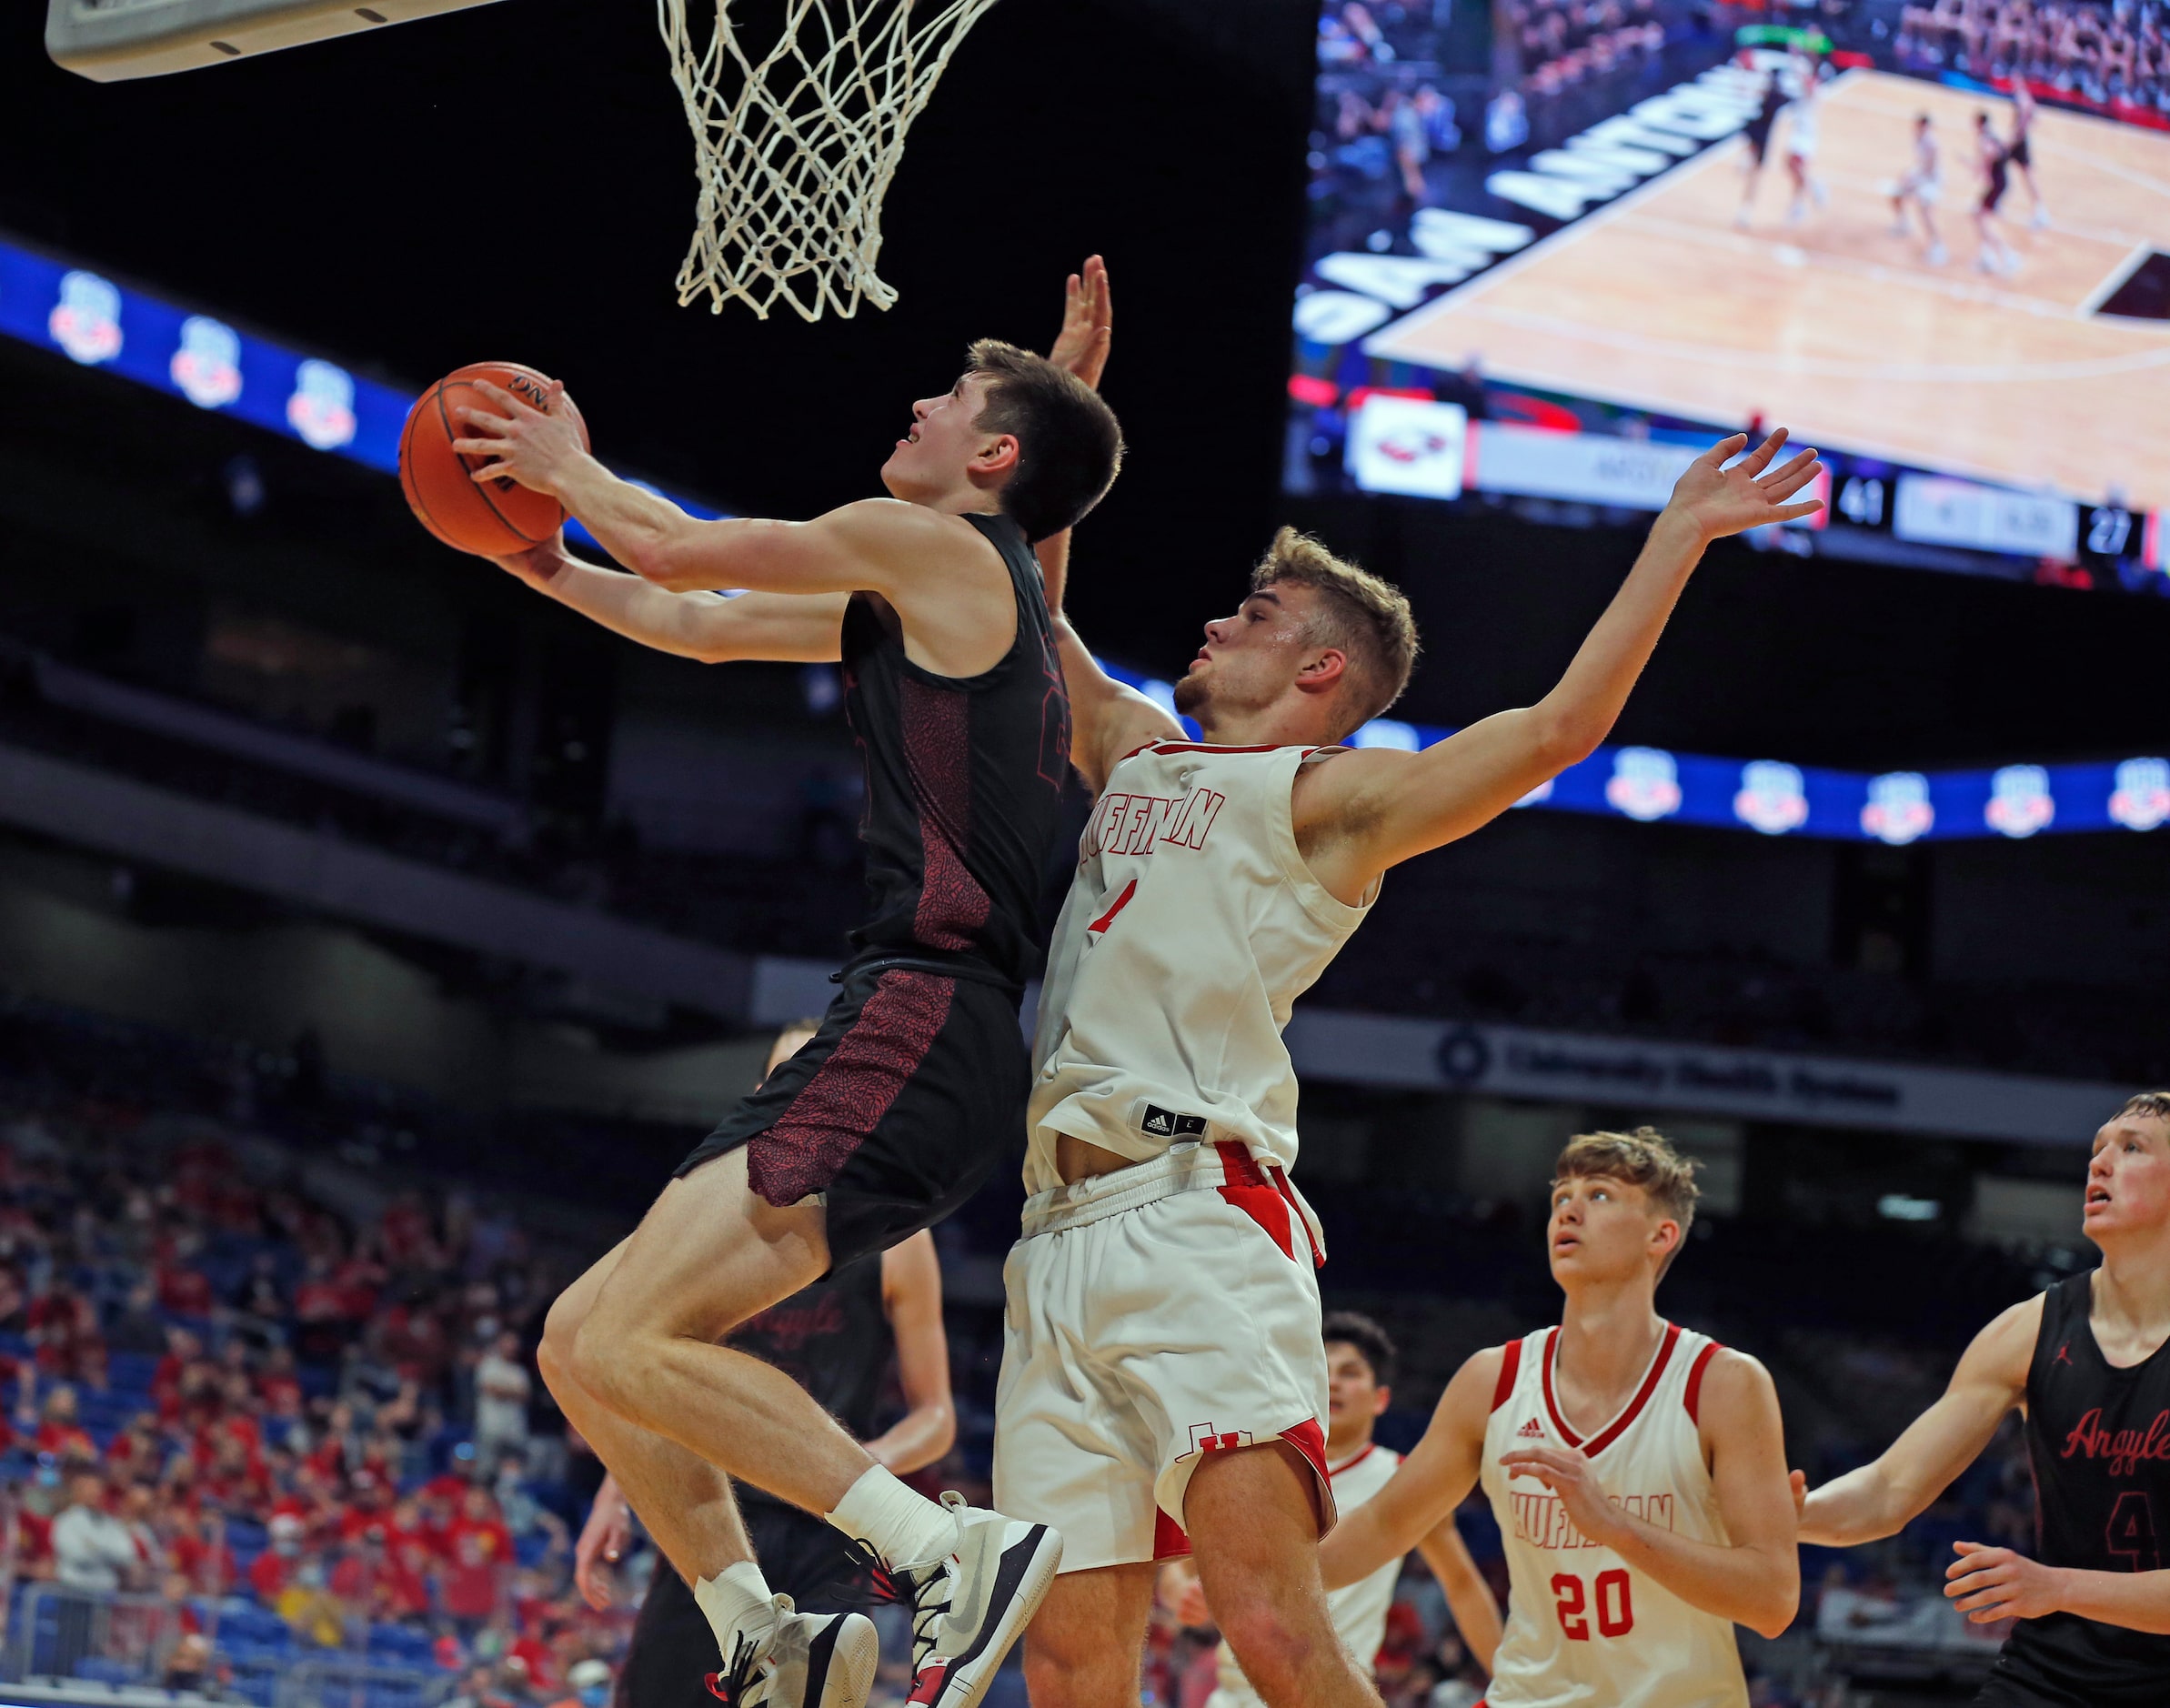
1840, 328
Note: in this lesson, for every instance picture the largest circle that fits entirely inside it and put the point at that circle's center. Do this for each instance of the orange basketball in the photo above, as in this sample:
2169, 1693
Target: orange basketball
493, 518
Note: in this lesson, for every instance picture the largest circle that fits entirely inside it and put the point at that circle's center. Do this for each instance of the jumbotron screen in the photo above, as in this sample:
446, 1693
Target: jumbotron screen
1558, 247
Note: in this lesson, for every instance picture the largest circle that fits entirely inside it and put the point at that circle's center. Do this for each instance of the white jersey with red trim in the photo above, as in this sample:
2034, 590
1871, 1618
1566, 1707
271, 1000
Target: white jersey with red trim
1358, 1610
1191, 928
1585, 1629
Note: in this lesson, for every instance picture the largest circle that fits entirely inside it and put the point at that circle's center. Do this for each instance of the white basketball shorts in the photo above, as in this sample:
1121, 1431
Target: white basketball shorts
1155, 1315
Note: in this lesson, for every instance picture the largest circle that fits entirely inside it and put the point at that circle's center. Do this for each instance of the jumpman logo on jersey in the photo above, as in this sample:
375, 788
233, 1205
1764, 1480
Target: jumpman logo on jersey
1532, 1431
2062, 1357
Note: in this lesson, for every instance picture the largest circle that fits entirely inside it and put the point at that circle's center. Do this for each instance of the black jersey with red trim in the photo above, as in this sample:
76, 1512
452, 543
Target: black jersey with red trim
2099, 1439
964, 779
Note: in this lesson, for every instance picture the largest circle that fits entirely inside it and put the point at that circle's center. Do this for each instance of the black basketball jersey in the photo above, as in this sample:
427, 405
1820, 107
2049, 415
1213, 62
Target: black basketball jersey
833, 1340
964, 779
2099, 1439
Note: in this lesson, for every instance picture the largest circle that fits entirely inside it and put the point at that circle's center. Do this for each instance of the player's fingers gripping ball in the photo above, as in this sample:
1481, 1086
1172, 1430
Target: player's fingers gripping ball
492, 519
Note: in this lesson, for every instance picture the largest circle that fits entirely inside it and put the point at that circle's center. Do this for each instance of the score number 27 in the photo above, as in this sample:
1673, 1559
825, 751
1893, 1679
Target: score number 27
1615, 1605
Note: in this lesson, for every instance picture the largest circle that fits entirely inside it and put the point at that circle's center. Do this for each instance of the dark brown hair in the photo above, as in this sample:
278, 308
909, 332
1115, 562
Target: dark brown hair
1644, 1157
2155, 1103
1367, 618
1353, 1328
1069, 444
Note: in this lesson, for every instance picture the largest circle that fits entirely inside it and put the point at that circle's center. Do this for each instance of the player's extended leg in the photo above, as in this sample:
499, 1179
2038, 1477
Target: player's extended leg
1254, 1533
710, 1254
1086, 1642
683, 1500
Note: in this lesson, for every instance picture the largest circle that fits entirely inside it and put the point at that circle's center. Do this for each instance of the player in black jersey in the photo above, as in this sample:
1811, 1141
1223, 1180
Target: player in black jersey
834, 1338
916, 1081
1758, 134
1995, 254
2089, 1364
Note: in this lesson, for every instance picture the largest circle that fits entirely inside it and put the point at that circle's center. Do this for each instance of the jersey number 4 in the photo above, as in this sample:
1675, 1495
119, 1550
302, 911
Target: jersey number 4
2132, 1536
1615, 1605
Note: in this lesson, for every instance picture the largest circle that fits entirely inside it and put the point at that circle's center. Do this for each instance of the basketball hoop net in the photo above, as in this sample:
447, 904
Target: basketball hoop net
795, 150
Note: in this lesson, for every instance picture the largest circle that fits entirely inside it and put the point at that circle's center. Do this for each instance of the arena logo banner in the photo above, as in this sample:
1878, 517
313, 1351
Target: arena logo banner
96, 322
1555, 249
1636, 1074
1774, 798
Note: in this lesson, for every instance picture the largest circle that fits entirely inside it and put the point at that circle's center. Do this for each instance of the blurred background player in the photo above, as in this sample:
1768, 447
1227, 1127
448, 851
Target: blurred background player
1801, 138
1758, 134
1637, 1469
1921, 185
1360, 1373
2088, 1366
1994, 254
2021, 153
1162, 1371
915, 1084
834, 1338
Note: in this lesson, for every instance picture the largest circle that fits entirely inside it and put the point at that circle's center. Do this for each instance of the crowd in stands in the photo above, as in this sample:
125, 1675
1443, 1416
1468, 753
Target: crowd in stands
303, 1429
2114, 56
1563, 42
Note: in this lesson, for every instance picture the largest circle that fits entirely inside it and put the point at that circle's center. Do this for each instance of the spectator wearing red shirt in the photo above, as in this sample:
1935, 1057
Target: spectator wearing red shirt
279, 1385
59, 1433
271, 1571
63, 1327
477, 1556
198, 1550
185, 1290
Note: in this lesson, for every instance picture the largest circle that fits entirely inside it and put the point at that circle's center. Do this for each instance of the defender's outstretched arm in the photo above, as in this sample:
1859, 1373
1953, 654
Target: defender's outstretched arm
1434, 1480
790, 628
1108, 718
1754, 1580
1391, 805
1883, 1497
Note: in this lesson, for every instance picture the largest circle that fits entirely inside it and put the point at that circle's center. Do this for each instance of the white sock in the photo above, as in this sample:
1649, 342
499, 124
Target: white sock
904, 1528
738, 1602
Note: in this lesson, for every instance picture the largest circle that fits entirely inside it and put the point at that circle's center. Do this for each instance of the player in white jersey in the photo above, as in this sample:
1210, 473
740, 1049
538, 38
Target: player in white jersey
1637, 1469
1360, 1372
1162, 1371
1802, 115
1922, 185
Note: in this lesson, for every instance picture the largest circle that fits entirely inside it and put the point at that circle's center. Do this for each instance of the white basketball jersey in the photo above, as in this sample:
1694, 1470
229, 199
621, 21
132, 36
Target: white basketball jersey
1358, 1610
1192, 928
1584, 1628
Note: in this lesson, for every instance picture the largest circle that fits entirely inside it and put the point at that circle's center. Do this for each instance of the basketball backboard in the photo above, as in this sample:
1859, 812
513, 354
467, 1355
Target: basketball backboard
110, 40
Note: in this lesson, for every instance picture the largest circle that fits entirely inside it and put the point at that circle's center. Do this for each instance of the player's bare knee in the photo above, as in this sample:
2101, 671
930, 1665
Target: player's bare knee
1276, 1657
561, 1326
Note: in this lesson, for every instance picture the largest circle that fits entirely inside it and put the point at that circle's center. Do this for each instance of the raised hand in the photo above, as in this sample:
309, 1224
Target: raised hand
1088, 323
1720, 500
603, 1539
524, 443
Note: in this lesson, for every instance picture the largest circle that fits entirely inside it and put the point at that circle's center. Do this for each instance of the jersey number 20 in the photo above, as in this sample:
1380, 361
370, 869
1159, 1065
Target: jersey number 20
1615, 1605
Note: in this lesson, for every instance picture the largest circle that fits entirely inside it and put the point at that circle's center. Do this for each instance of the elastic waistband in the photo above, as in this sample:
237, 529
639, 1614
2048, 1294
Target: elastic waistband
942, 966
1188, 1168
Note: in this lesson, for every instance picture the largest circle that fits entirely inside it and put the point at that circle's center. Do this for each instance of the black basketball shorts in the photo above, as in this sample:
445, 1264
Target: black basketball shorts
896, 1112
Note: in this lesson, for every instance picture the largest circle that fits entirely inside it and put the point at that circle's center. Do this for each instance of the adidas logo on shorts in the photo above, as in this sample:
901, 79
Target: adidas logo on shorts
1531, 1431
1166, 1123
